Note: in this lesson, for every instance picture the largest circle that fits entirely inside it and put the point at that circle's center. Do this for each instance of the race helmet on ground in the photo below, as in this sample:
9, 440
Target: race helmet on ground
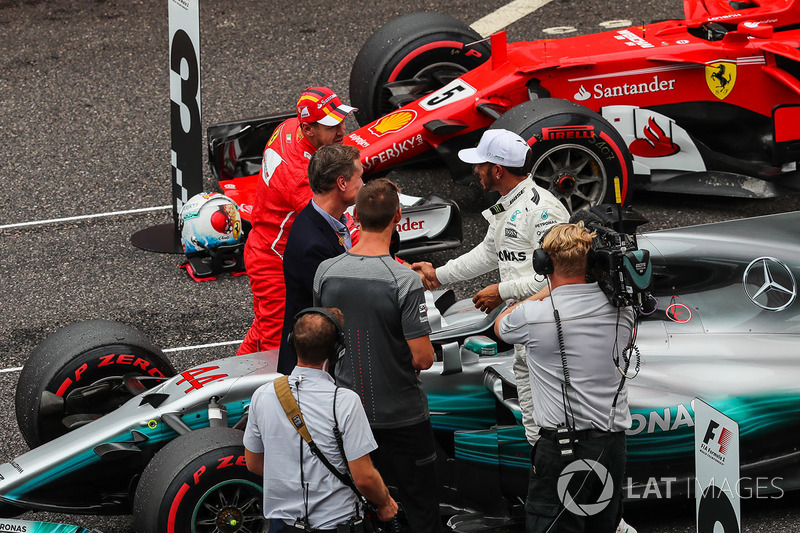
211, 234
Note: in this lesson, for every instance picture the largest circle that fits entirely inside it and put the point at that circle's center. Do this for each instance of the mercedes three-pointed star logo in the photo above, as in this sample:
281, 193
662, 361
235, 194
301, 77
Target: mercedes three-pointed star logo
769, 284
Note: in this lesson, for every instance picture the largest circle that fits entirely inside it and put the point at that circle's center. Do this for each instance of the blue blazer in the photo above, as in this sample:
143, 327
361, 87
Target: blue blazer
311, 241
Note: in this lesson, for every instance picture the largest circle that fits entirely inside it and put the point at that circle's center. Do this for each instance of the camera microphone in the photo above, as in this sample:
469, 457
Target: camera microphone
587, 217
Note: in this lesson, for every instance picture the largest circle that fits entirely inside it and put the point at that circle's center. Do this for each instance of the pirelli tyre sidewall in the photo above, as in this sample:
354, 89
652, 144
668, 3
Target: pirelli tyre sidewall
78, 356
576, 152
417, 45
199, 483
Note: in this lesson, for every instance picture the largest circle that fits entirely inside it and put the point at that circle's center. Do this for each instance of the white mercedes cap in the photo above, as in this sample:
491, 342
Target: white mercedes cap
501, 147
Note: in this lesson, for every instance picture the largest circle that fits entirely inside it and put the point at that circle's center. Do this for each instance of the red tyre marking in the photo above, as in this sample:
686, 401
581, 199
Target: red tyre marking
200, 472
622, 164
64, 386
421, 50
107, 360
80, 371
173, 510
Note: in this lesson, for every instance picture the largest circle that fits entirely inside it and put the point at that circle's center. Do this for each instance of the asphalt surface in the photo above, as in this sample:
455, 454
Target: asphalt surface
84, 100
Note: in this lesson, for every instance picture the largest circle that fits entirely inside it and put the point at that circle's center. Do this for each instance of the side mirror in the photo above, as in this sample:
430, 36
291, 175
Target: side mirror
758, 30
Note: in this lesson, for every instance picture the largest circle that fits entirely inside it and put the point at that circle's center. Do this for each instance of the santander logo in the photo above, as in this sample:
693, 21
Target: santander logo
600, 90
582, 94
656, 142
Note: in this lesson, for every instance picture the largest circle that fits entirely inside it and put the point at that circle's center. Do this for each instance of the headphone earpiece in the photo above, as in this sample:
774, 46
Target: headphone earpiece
542, 264
338, 348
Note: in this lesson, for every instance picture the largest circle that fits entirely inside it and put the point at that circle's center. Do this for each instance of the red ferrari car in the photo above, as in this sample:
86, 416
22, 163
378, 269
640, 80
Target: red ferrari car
709, 104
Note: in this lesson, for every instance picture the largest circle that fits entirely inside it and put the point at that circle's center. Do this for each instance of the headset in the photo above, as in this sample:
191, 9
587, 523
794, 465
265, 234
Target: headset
543, 263
338, 348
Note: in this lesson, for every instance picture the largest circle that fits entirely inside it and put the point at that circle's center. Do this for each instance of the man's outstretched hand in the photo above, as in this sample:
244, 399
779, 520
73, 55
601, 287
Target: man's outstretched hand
428, 275
488, 298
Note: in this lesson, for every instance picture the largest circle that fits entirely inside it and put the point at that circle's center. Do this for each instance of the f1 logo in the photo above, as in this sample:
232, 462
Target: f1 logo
722, 440
710, 432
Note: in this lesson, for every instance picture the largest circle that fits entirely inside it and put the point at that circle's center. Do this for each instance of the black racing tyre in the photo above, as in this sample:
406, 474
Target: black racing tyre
76, 375
409, 57
576, 152
199, 483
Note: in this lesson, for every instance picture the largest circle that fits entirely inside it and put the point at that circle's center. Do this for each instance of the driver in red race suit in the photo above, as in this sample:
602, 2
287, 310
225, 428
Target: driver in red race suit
282, 192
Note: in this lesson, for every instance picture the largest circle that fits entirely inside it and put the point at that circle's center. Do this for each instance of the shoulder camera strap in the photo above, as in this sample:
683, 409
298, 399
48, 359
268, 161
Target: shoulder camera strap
295, 416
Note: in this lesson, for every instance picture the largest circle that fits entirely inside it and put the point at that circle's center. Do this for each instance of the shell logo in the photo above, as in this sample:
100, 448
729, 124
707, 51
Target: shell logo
393, 122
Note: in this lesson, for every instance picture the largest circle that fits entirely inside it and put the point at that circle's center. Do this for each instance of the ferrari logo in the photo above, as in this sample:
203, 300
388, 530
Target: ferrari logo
721, 77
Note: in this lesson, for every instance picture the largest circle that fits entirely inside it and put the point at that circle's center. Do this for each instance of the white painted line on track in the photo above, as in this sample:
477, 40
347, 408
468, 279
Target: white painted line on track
507, 15
201, 346
85, 217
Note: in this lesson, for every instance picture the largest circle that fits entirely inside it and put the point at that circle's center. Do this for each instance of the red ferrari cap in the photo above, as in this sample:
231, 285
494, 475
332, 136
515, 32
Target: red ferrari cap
320, 104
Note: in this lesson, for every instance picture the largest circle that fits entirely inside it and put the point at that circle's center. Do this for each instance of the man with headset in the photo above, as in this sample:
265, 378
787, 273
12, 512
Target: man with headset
574, 339
299, 490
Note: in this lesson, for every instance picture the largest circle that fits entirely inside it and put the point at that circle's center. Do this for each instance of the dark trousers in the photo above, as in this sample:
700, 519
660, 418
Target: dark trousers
406, 459
580, 500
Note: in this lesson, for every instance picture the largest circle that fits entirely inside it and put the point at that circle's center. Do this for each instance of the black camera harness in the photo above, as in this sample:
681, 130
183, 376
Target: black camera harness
565, 432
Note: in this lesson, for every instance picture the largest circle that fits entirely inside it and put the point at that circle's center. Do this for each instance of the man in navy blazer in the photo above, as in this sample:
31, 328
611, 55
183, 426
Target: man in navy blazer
320, 231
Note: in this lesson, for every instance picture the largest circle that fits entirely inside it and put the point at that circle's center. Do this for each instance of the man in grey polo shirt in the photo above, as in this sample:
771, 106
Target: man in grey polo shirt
297, 486
594, 404
387, 344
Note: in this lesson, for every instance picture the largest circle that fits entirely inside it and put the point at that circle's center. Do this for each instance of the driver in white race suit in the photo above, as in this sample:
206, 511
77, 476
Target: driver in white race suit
517, 222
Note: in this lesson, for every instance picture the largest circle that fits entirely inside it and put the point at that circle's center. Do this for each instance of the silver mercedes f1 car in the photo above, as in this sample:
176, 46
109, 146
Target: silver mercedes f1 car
114, 429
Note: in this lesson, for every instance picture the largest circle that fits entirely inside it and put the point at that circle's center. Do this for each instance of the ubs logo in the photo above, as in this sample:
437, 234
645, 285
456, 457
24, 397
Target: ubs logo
769, 284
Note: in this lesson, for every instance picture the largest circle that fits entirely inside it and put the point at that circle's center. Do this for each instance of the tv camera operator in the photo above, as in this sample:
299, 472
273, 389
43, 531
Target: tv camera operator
306, 484
578, 348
